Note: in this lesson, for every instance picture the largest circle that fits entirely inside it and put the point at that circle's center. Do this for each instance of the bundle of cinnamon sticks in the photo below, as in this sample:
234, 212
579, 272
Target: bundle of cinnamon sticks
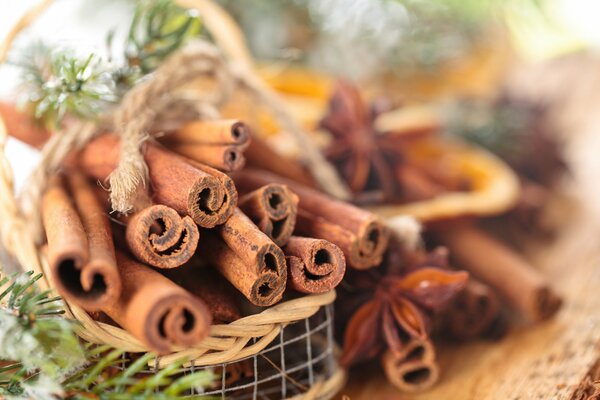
202, 242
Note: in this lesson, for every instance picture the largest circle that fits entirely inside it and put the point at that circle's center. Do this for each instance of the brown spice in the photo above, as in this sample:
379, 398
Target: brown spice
247, 258
314, 265
223, 157
155, 234
260, 154
199, 193
474, 313
416, 185
217, 132
81, 253
206, 284
360, 234
158, 236
22, 126
156, 311
504, 270
413, 369
273, 209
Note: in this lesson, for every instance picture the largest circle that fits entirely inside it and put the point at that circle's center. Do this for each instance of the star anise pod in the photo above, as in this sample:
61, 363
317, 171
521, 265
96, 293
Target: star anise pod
401, 307
365, 157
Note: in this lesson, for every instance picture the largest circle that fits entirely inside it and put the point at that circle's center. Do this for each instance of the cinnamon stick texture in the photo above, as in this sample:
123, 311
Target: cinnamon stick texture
414, 368
202, 193
158, 236
22, 126
81, 253
260, 154
218, 132
360, 234
415, 185
273, 209
206, 284
223, 157
493, 263
219, 144
155, 234
247, 258
314, 265
474, 313
159, 313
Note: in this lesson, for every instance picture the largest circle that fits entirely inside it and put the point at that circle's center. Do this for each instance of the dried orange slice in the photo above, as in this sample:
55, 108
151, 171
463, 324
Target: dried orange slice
494, 186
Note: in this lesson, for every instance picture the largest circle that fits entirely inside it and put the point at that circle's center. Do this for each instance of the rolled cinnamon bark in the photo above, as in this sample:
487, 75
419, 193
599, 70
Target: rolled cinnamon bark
206, 284
415, 185
224, 131
247, 258
260, 155
155, 310
223, 157
360, 234
155, 234
158, 236
81, 253
500, 267
22, 126
473, 313
314, 265
413, 369
201, 193
273, 209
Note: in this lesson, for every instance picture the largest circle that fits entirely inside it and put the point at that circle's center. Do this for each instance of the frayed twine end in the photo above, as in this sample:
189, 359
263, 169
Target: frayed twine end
408, 231
125, 182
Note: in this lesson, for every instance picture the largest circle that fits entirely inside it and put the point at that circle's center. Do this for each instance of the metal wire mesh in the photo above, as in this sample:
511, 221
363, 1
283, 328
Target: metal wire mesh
300, 356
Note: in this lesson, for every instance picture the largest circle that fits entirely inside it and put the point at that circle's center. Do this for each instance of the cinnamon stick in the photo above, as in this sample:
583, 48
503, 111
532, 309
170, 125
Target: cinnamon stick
413, 369
360, 234
81, 253
474, 313
22, 126
206, 284
223, 157
273, 209
217, 132
314, 265
504, 270
247, 258
260, 154
158, 236
155, 310
203, 194
155, 234
415, 185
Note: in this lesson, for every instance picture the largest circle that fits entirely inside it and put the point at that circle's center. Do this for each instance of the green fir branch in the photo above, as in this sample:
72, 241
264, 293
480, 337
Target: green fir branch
41, 357
158, 28
58, 82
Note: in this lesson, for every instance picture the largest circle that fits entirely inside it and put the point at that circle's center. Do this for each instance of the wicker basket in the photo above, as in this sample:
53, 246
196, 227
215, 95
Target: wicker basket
240, 340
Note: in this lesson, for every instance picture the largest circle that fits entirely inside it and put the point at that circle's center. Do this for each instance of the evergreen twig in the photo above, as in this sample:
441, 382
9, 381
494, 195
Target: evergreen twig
45, 358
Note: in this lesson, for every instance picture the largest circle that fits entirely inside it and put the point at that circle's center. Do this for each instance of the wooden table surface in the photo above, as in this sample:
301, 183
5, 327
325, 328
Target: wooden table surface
558, 359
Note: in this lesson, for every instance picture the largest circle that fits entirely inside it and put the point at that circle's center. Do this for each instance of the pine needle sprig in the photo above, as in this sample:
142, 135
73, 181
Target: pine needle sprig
158, 28
41, 357
58, 82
